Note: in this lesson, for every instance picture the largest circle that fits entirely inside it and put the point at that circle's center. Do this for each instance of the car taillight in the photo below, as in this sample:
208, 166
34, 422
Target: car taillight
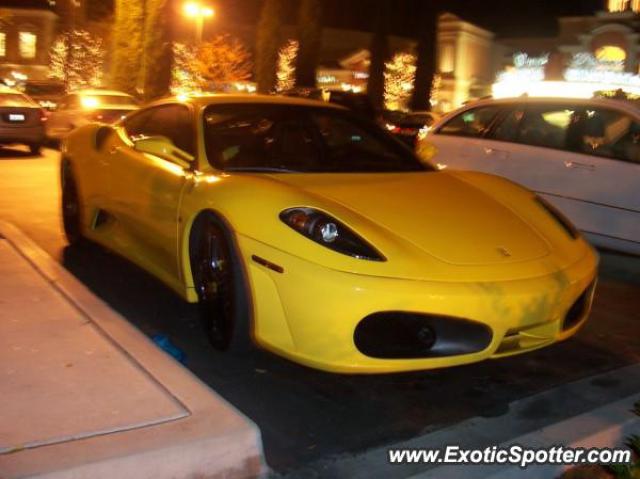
43, 116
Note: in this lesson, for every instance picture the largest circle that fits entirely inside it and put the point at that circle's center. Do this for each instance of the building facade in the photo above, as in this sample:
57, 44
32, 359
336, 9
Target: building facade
589, 53
27, 30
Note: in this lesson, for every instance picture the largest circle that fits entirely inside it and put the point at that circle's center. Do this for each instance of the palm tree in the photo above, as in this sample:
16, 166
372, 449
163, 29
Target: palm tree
425, 66
268, 44
309, 38
379, 53
127, 45
157, 61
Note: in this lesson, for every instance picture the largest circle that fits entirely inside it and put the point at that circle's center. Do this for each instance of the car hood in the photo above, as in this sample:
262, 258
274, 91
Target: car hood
440, 214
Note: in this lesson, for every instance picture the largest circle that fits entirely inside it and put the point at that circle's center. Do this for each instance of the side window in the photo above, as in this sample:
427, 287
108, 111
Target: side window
507, 128
171, 121
549, 126
258, 138
607, 133
183, 135
471, 123
134, 125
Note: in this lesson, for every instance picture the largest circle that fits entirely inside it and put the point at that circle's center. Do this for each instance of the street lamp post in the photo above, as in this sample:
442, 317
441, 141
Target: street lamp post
199, 13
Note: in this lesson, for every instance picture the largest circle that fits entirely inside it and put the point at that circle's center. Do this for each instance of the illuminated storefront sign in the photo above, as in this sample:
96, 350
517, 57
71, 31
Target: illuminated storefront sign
585, 75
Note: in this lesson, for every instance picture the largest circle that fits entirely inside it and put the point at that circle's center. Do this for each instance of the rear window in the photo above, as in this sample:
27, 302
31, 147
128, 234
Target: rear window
16, 100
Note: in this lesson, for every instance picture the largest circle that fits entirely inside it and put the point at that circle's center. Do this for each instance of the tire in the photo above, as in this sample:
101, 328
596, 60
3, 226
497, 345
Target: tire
218, 275
35, 148
71, 207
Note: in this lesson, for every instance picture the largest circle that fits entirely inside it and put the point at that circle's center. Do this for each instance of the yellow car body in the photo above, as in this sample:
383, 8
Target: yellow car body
491, 270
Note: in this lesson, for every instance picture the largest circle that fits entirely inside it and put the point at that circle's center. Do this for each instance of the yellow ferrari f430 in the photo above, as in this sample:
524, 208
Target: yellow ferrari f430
307, 231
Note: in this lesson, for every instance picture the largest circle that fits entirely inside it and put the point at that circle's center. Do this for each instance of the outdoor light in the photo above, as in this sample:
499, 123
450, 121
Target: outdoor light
198, 12
89, 102
193, 9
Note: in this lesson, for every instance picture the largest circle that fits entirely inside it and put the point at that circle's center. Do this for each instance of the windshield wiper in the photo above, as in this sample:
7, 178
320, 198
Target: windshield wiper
261, 169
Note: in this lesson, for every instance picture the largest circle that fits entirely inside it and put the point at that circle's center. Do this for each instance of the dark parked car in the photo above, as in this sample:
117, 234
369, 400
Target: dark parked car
407, 126
21, 120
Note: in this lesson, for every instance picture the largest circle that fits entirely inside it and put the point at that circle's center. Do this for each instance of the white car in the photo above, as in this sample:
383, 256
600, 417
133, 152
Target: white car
583, 156
88, 106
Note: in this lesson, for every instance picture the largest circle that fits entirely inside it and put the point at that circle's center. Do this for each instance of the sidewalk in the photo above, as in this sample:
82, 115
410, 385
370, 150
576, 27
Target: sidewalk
85, 394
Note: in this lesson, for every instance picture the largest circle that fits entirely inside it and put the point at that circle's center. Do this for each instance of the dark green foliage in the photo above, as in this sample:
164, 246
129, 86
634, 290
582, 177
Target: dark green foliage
310, 38
426, 64
629, 471
158, 50
268, 40
379, 55
128, 32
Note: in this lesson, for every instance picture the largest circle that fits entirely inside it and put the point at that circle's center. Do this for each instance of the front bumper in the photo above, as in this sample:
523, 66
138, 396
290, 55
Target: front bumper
29, 135
309, 313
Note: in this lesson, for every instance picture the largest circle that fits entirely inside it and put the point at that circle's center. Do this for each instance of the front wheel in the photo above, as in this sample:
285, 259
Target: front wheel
219, 279
71, 209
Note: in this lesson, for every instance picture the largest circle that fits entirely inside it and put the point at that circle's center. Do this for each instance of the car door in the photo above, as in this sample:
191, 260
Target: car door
145, 190
603, 176
459, 143
557, 148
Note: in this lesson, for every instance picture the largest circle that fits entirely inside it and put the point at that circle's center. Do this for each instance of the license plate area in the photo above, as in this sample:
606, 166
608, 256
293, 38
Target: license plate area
15, 117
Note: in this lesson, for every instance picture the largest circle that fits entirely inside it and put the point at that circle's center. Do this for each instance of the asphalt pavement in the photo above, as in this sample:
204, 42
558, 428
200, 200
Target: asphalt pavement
308, 417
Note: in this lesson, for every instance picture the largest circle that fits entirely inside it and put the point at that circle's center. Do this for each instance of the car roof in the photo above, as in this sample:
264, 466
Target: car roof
98, 92
604, 102
203, 100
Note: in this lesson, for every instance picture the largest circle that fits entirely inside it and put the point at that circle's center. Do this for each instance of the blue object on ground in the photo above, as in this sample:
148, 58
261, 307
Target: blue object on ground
162, 340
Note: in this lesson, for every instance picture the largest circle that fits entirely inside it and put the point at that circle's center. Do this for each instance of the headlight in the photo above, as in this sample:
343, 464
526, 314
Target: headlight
329, 232
559, 217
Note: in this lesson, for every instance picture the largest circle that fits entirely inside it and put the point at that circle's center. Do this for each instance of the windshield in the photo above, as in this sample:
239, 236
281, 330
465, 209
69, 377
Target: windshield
16, 99
288, 139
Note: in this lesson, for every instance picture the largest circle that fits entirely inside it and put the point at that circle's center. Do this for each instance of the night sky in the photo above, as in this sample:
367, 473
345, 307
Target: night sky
505, 17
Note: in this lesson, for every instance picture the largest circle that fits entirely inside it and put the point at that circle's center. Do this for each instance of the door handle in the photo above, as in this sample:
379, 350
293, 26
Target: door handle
500, 154
577, 164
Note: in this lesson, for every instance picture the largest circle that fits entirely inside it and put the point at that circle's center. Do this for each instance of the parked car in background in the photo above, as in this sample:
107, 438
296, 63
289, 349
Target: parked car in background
87, 106
22, 120
358, 103
302, 227
581, 155
47, 93
406, 126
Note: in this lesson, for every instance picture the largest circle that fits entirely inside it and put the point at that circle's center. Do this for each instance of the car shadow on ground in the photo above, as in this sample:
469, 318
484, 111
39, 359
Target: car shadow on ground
305, 415
17, 152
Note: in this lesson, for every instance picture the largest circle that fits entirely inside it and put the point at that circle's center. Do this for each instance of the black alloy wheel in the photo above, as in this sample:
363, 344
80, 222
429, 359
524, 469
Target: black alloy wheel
71, 209
218, 281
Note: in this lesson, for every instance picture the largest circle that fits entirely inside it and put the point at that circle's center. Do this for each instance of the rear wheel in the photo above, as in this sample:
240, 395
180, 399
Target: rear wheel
35, 148
71, 209
219, 279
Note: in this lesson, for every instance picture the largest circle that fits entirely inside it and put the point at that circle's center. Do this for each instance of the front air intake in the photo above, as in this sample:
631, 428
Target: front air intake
404, 335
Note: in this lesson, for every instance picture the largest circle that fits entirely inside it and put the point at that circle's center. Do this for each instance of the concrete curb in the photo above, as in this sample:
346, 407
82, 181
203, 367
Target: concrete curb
212, 439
